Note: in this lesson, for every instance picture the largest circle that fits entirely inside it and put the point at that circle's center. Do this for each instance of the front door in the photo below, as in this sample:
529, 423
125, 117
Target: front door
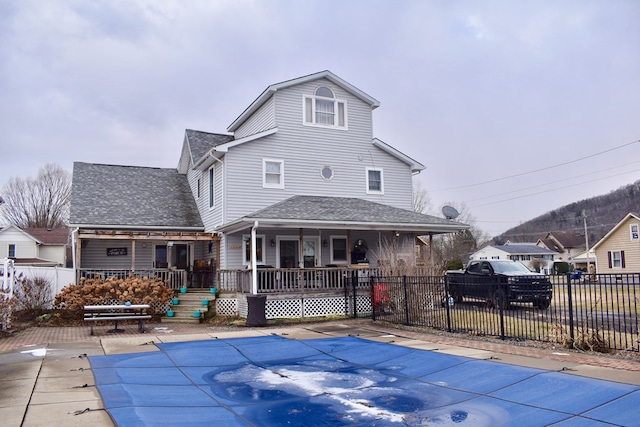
288, 253
181, 256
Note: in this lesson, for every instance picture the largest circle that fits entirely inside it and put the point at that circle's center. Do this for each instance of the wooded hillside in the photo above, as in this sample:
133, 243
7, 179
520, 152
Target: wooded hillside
602, 212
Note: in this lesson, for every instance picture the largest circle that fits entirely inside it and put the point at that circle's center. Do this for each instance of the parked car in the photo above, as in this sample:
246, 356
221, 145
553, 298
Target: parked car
500, 283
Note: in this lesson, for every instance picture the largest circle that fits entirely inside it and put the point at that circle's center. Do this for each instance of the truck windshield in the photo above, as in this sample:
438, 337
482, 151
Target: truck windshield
510, 267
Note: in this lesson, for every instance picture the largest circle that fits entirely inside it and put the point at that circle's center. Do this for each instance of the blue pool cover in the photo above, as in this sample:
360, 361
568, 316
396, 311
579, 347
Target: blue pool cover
275, 381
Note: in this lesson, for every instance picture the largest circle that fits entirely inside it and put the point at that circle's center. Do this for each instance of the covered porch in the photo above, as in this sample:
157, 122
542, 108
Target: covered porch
179, 258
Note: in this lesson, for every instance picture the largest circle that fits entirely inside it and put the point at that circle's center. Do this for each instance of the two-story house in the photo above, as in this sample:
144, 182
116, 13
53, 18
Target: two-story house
567, 243
298, 181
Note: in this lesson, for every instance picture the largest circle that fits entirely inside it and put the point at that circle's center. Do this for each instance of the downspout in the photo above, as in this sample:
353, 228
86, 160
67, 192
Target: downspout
74, 245
254, 260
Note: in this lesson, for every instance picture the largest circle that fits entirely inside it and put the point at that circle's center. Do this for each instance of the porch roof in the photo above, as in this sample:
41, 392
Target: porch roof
132, 197
342, 213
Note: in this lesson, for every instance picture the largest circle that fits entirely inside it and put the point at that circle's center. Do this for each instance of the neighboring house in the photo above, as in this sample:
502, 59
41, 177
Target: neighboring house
35, 246
619, 250
585, 261
298, 181
568, 244
523, 252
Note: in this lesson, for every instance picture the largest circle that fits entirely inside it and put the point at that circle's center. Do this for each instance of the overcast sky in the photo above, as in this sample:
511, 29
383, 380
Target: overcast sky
514, 107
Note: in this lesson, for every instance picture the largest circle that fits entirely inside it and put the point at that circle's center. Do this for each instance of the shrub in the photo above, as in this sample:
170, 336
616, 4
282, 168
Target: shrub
33, 296
137, 290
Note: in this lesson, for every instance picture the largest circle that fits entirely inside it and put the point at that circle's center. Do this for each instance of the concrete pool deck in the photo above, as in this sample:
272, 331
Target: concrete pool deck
46, 377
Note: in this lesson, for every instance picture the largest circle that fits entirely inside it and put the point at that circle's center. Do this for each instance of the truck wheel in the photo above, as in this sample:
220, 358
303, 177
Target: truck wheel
542, 304
499, 299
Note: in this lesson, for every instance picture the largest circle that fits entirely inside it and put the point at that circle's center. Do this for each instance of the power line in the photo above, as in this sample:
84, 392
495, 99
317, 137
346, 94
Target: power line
541, 169
552, 189
548, 183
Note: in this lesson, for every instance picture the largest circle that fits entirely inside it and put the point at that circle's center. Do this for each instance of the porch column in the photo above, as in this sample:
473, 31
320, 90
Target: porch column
133, 255
300, 250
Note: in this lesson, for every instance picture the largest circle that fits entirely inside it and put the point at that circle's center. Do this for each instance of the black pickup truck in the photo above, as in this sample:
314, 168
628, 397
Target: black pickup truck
500, 283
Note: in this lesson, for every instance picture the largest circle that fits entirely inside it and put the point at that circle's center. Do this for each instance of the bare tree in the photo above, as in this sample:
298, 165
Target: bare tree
42, 201
421, 200
455, 248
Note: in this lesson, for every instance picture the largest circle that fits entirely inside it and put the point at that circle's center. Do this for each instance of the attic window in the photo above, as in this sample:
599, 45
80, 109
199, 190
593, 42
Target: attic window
323, 109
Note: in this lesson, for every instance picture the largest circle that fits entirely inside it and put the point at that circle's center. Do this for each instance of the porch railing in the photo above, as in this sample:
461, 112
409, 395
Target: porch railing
175, 279
293, 280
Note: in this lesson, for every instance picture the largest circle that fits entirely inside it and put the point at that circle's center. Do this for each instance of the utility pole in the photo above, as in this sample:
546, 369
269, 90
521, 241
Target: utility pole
586, 240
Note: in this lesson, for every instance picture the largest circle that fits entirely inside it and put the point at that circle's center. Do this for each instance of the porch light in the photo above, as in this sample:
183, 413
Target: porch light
325, 243
273, 243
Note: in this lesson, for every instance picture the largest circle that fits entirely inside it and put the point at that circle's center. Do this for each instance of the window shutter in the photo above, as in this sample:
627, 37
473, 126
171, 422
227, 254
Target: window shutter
341, 114
609, 258
622, 258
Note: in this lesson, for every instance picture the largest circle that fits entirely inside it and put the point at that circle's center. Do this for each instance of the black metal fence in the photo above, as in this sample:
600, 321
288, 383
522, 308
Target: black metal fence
592, 312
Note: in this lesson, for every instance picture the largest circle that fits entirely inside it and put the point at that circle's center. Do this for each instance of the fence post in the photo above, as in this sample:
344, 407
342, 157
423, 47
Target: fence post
354, 284
446, 302
406, 300
570, 307
373, 301
501, 310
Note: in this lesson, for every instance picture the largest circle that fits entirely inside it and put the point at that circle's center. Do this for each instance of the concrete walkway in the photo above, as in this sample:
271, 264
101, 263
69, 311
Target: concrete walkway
45, 376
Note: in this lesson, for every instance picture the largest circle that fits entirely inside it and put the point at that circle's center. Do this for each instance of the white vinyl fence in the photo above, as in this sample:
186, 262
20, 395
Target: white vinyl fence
58, 277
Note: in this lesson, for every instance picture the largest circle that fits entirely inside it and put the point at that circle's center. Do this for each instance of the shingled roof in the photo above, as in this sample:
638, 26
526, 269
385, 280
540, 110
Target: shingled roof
344, 212
49, 236
112, 196
201, 142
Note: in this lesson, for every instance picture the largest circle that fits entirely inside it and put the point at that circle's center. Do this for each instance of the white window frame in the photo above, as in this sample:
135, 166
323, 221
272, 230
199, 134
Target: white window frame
211, 180
369, 190
346, 248
12, 248
246, 239
616, 262
339, 110
266, 184
634, 232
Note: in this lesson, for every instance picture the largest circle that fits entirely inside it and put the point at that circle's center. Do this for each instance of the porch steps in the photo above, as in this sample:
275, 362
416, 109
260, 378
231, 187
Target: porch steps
189, 303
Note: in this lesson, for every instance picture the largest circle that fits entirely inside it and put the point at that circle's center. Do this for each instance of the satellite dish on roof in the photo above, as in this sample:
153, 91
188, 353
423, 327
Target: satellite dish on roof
450, 212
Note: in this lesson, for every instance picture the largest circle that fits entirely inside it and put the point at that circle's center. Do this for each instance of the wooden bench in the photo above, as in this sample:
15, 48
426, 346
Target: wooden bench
95, 313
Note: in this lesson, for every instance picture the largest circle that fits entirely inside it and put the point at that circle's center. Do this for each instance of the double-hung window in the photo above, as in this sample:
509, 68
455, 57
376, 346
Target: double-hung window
338, 250
273, 173
375, 184
323, 109
12, 250
616, 259
634, 232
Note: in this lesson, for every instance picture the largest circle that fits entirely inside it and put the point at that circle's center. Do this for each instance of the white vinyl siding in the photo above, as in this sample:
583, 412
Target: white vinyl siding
305, 150
261, 120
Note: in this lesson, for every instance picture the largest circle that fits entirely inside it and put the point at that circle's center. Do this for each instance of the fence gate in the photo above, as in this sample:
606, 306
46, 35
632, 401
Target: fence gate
357, 294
